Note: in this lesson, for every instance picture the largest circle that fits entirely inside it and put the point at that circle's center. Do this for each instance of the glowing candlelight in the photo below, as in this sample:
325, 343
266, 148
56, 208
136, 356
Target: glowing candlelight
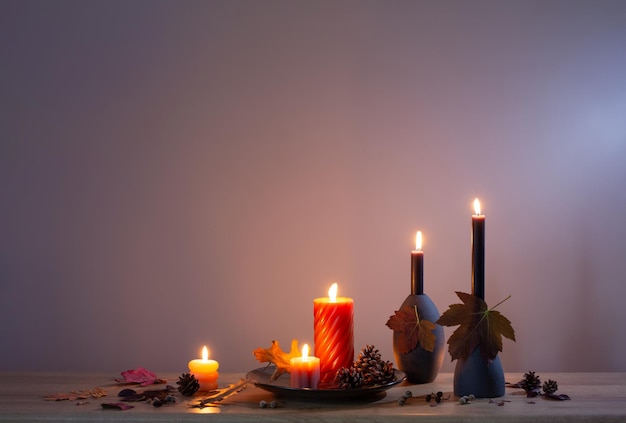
332, 293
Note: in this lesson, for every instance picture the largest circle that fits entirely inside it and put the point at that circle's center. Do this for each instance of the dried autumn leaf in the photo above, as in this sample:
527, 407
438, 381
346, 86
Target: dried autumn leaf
479, 325
278, 357
413, 331
141, 376
94, 393
558, 397
116, 406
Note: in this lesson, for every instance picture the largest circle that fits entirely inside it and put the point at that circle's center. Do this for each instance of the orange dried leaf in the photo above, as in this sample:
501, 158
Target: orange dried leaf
278, 357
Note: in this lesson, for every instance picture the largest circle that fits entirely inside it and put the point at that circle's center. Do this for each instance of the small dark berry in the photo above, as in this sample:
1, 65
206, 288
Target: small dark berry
429, 397
401, 401
439, 394
408, 394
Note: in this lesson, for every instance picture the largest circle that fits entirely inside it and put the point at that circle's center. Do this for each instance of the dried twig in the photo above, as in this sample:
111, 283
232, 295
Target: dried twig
221, 394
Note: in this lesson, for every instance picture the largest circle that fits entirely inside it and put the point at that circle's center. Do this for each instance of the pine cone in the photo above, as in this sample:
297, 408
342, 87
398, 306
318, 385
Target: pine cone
349, 378
530, 382
550, 386
375, 370
188, 384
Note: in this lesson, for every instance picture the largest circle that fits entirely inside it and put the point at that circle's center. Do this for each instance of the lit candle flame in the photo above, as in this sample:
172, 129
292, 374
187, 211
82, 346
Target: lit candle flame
305, 352
205, 353
332, 293
477, 207
418, 241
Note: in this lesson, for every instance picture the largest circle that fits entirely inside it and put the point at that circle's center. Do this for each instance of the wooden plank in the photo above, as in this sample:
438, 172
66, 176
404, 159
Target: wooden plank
595, 397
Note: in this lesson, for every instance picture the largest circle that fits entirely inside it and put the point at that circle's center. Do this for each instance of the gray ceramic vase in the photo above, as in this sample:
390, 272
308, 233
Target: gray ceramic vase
419, 365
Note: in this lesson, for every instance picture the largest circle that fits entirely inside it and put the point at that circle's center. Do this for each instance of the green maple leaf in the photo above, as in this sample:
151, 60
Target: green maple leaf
413, 331
478, 324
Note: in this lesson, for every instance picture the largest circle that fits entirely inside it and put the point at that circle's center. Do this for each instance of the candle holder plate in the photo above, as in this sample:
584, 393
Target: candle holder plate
282, 387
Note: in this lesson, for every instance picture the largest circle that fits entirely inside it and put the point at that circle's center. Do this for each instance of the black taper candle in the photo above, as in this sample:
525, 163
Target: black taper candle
478, 252
417, 266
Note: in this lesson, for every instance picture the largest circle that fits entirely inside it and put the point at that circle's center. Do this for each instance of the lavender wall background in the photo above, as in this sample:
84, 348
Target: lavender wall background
174, 174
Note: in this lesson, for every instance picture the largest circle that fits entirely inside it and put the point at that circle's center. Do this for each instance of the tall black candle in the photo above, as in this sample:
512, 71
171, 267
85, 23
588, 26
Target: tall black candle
417, 266
478, 252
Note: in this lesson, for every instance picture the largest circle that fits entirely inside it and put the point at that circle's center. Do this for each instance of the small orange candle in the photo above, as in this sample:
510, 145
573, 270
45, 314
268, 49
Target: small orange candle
305, 370
205, 371
333, 327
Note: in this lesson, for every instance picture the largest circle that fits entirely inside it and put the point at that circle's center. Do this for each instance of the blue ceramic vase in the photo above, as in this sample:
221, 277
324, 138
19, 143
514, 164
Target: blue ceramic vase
475, 375
421, 366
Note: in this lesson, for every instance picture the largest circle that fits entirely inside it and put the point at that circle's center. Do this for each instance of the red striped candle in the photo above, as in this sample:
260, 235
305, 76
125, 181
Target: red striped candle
333, 326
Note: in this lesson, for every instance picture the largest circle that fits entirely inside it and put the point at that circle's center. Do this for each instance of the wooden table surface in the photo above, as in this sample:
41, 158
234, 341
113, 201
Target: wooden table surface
596, 397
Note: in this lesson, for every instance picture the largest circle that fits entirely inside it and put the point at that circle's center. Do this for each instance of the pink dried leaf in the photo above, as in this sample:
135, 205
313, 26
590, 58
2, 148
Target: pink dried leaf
141, 376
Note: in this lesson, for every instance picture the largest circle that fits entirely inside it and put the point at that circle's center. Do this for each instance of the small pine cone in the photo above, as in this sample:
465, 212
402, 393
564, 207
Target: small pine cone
368, 353
349, 378
187, 384
550, 386
388, 373
375, 371
530, 382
